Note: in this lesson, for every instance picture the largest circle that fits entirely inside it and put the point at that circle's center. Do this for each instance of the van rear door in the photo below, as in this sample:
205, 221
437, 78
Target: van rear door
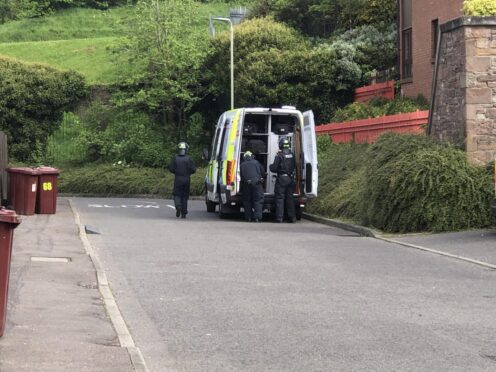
213, 165
310, 170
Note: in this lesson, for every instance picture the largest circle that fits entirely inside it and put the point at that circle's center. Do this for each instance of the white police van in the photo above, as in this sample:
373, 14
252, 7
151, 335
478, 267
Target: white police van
259, 131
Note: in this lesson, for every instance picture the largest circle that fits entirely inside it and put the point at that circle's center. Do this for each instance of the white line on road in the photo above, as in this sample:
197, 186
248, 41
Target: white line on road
367, 232
446, 254
171, 206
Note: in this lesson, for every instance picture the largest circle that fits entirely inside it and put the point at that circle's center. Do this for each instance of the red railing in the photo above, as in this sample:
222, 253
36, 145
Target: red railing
368, 130
368, 92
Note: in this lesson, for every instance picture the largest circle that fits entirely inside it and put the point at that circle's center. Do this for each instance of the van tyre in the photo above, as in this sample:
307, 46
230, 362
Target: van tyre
298, 212
210, 205
223, 211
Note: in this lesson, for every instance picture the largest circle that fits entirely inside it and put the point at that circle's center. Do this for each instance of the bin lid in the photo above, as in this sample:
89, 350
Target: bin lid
23, 170
9, 216
48, 170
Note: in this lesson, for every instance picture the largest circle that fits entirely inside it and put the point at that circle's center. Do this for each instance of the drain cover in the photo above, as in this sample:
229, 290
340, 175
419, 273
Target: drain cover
91, 229
51, 259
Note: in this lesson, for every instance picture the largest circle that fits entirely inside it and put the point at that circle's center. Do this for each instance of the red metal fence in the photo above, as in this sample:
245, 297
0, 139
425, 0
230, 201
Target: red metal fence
368, 130
368, 92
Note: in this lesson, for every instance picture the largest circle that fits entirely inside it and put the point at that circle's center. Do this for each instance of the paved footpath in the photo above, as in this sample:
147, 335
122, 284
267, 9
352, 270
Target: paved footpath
56, 318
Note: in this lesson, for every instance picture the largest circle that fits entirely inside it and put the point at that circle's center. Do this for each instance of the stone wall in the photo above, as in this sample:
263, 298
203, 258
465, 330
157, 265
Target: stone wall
464, 111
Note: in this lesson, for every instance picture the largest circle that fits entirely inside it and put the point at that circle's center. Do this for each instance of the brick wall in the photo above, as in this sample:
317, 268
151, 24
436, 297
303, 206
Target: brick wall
465, 101
423, 13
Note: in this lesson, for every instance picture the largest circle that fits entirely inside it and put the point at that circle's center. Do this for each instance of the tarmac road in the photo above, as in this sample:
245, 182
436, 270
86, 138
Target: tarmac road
205, 294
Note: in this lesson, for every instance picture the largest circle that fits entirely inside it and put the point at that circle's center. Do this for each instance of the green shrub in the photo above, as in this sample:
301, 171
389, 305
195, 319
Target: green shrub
63, 146
319, 18
376, 46
33, 99
479, 7
275, 66
416, 184
112, 135
379, 107
403, 183
122, 180
341, 169
16, 9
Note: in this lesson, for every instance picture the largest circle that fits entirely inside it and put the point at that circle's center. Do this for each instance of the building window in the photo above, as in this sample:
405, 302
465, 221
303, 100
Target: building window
407, 54
434, 37
406, 39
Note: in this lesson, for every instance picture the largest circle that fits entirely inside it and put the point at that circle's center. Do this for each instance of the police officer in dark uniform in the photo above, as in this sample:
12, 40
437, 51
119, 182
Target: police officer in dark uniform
183, 167
284, 165
252, 177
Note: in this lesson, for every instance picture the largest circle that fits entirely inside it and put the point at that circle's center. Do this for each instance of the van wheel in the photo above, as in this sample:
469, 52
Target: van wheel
223, 210
299, 213
210, 205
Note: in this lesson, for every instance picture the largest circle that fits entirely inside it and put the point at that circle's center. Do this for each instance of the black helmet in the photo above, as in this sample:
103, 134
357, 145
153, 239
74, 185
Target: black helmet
182, 148
284, 143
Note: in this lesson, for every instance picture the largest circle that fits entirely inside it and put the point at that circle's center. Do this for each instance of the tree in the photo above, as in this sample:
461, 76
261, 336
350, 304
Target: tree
323, 17
274, 65
376, 47
165, 54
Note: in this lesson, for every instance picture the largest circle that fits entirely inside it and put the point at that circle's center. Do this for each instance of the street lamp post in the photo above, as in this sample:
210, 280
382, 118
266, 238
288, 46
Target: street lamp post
212, 31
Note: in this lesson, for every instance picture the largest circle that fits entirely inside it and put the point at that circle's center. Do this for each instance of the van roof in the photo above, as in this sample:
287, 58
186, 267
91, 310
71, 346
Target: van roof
284, 110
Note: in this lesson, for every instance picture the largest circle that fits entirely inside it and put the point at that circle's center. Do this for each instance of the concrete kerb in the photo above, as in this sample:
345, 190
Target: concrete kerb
120, 327
364, 231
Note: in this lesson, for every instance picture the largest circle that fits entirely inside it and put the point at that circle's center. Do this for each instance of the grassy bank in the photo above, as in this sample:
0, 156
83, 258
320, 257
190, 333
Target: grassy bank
83, 39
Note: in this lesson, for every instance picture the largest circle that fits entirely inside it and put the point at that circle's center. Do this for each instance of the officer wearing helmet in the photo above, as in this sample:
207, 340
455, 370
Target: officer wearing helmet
252, 177
284, 166
183, 167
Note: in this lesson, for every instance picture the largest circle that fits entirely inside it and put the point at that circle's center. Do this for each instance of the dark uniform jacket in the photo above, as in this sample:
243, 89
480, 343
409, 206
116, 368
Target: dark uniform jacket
252, 171
284, 163
183, 167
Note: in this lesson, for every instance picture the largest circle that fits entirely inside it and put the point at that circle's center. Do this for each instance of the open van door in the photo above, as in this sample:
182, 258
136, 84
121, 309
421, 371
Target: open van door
211, 179
310, 170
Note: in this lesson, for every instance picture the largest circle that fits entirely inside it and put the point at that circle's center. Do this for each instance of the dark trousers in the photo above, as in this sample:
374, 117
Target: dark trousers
181, 194
253, 197
284, 198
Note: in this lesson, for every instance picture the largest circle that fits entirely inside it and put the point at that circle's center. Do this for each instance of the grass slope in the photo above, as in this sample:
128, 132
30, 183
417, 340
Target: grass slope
81, 39
90, 57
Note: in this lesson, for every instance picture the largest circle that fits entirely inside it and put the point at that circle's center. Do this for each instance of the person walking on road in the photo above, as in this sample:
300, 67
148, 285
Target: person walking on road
183, 167
252, 177
284, 166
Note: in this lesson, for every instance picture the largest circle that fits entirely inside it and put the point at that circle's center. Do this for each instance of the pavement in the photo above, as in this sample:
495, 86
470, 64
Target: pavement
56, 319
60, 317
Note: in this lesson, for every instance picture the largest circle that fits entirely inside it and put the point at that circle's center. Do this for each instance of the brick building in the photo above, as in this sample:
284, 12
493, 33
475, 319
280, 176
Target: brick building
419, 20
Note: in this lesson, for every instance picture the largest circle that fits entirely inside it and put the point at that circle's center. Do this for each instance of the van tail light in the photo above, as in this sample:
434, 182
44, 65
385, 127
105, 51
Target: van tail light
230, 172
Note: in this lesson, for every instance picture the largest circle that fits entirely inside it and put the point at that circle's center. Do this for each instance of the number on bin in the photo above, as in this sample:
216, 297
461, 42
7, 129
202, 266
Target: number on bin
47, 186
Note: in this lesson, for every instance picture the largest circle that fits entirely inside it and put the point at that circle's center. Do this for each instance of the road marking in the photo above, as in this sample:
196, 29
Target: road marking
130, 206
51, 259
125, 337
171, 206
441, 253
